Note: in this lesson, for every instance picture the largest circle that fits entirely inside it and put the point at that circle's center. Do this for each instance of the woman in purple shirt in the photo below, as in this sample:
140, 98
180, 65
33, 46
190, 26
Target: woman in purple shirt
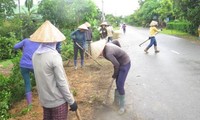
28, 47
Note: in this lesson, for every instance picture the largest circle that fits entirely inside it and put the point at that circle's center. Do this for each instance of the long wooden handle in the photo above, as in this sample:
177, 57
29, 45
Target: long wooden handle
88, 54
78, 115
108, 91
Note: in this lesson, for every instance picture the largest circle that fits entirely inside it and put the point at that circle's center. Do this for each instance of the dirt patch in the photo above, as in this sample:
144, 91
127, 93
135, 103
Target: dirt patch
5, 70
89, 85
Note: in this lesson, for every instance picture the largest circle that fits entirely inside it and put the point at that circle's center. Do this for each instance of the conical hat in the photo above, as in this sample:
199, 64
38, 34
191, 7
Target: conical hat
153, 23
104, 23
87, 24
97, 47
83, 26
47, 33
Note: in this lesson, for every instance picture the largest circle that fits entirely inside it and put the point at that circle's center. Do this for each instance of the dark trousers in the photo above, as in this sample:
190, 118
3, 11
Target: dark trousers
121, 78
76, 49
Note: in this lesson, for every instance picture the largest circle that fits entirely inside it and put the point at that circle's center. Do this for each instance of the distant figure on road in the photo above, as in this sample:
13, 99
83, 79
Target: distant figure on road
124, 28
153, 31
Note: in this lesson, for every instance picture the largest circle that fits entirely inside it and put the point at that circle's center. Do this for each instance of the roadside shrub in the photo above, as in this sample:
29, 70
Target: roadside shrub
183, 26
6, 47
96, 34
12, 88
5, 96
12, 25
67, 51
16, 82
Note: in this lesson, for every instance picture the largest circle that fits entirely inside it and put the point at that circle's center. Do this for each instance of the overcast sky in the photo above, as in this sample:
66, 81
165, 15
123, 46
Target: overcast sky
115, 7
118, 7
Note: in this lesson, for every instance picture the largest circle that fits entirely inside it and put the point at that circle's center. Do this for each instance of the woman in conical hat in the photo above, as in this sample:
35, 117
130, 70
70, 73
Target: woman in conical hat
153, 31
122, 63
79, 38
51, 80
103, 30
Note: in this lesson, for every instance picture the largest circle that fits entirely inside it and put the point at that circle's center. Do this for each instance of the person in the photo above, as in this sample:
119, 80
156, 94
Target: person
79, 38
88, 37
110, 32
51, 80
103, 30
58, 47
26, 67
153, 31
199, 31
122, 63
124, 28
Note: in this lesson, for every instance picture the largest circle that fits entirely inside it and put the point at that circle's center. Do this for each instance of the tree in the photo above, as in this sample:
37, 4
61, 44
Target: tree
68, 13
6, 8
188, 10
29, 4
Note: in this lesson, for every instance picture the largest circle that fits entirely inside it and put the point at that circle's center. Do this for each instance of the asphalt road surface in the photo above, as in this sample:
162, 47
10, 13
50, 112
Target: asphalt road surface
162, 86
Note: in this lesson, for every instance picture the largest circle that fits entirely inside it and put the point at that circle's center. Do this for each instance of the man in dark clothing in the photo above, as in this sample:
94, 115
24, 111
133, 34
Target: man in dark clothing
88, 37
122, 63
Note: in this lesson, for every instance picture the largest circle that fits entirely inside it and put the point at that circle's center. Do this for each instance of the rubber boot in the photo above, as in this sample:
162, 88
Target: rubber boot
29, 98
75, 64
116, 99
121, 104
156, 50
146, 49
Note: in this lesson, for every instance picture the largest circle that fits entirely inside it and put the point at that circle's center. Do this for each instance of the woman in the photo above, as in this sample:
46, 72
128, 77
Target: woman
153, 31
79, 39
103, 30
121, 62
51, 80
28, 47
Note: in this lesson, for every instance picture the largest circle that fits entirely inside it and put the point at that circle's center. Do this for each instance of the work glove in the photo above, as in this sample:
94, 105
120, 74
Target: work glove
73, 107
114, 76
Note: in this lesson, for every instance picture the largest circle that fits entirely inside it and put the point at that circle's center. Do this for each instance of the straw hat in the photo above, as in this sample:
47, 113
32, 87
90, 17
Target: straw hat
153, 23
87, 24
47, 33
83, 27
104, 23
97, 47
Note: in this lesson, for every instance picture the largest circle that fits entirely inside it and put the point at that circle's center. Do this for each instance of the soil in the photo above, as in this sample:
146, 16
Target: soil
88, 84
5, 71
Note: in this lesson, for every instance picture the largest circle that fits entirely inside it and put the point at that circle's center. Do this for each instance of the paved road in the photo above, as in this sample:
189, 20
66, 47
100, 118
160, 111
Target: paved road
163, 86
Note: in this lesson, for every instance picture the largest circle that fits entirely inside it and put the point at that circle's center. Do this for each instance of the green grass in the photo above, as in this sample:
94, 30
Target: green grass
181, 34
173, 32
5, 63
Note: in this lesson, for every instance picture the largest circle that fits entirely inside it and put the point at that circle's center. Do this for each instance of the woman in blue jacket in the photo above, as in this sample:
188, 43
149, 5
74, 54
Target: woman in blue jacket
79, 39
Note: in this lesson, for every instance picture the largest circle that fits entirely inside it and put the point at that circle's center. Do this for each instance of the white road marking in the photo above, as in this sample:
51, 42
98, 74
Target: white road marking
175, 52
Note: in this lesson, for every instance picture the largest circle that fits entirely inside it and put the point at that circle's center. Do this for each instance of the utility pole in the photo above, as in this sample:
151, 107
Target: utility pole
103, 16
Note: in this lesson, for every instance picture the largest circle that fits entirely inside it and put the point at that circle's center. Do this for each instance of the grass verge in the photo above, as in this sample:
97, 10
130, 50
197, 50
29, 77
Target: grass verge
5, 63
181, 35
